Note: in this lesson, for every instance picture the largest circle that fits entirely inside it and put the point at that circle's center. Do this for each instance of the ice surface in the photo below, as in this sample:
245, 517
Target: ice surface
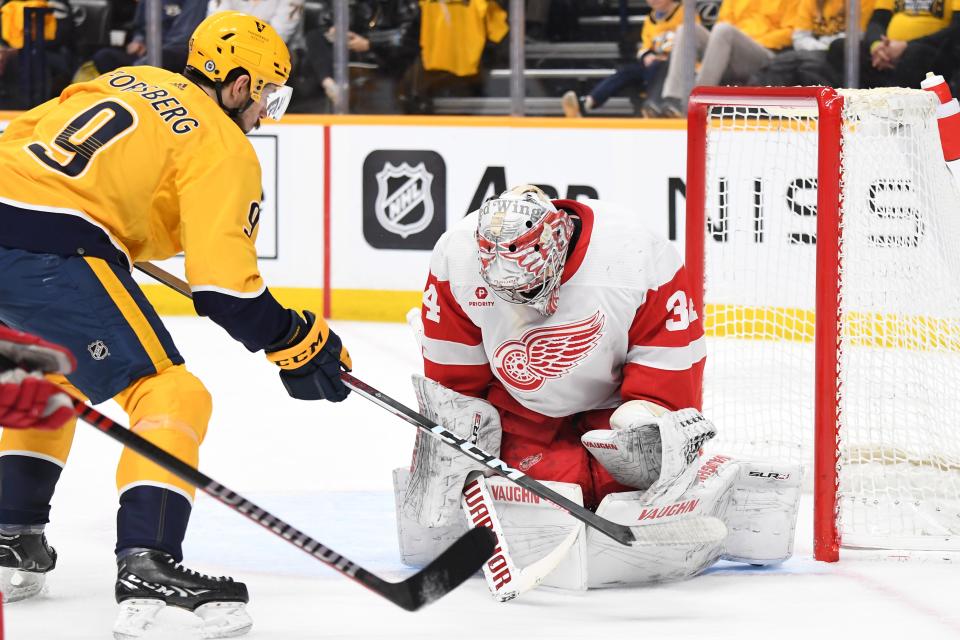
326, 469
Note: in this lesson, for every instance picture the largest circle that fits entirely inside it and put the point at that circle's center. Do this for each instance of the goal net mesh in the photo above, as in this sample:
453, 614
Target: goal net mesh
898, 309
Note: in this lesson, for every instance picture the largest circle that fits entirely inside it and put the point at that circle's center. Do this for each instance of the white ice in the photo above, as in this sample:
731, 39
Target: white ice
326, 469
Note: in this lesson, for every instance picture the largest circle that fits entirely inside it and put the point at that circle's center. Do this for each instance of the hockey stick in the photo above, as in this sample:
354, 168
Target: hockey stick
505, 579
460, 561
689, 530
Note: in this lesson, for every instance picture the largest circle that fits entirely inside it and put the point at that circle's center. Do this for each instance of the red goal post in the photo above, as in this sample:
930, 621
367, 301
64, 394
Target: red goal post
746, 147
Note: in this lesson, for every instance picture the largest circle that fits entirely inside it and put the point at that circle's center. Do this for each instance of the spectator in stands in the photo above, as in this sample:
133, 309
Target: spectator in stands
180, 18
646, 73
453, 38
817, 25
285, 16
904, 41
59, 46
381, 38
746, 36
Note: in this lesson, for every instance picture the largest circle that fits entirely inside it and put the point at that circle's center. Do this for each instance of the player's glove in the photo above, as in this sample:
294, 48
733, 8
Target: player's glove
310, 358
27, 399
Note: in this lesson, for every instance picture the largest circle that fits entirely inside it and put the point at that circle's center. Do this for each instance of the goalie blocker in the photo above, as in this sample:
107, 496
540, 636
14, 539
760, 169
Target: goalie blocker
648, 447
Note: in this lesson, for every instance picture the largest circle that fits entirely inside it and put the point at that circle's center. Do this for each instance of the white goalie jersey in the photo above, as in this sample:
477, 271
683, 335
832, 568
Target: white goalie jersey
624, 329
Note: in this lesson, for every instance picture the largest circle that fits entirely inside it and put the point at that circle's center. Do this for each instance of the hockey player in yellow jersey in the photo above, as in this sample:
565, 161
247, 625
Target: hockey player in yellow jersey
141, 164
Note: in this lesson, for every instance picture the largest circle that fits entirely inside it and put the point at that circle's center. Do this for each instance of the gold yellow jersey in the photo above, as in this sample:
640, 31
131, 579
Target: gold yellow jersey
141, 164
828, 17
767, 22
658, 35
453, 33
914, 19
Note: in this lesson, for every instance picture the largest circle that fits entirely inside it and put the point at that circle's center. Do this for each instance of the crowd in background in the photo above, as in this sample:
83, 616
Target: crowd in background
452, 56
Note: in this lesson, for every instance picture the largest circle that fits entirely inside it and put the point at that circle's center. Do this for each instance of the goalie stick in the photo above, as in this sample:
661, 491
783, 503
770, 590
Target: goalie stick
460, 561
694, 529
505, 579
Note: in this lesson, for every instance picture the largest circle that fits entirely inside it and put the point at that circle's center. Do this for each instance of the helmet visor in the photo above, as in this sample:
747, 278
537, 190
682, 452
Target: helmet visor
275, 100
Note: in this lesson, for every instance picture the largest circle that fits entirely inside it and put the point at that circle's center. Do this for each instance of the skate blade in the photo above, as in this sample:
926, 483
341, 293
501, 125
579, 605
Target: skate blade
20, 585
224, 619
136, 617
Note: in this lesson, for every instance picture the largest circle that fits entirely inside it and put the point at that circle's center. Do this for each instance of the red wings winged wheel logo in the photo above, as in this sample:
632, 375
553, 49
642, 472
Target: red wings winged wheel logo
546, 352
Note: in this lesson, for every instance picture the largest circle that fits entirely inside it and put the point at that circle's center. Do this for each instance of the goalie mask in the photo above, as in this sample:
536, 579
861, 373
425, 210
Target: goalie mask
522, 240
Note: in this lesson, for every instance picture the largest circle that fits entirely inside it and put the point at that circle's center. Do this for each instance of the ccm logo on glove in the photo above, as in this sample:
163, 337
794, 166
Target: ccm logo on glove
303, 348
310, 358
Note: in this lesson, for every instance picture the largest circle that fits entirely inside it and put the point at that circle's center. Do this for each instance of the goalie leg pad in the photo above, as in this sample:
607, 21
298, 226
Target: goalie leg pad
420, 544
438, 471
762, 516
615, 565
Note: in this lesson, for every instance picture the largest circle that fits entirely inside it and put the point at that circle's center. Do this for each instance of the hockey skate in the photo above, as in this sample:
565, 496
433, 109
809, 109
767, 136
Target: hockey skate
25, 559
149, 580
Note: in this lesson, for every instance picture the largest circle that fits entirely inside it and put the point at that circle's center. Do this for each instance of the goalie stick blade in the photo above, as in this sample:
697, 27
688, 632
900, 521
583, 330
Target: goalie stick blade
693, 530
447, 571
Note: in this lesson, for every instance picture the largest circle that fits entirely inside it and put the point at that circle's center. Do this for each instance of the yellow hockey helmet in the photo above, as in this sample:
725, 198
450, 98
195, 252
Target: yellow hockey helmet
228, 40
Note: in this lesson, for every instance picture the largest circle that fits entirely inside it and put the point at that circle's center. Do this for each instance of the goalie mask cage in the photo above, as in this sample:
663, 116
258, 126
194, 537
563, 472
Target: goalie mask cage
822, 238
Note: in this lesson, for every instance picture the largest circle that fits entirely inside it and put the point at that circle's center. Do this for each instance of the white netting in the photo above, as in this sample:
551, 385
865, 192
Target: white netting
900, 291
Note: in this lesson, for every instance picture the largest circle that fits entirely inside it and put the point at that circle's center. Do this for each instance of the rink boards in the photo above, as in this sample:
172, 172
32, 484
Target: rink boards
354, 204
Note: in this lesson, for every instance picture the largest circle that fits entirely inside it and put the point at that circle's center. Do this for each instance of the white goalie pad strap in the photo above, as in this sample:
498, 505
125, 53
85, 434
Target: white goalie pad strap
649, 447
762, 516
438, 471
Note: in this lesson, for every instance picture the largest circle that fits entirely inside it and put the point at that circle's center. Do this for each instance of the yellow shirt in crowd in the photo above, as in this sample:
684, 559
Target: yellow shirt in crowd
828, 17
453, 33
657, 35
768, 22
914, 19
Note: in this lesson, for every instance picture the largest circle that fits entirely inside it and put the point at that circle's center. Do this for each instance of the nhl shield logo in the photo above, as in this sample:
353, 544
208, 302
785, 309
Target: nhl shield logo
404, 199
98, 350
404, 205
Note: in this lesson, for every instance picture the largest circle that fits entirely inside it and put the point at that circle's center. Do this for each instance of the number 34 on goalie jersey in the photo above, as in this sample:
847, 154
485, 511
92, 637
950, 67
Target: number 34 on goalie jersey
682, 312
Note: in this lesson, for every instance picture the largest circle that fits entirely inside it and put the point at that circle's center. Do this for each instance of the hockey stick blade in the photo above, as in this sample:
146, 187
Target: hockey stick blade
505, 579
620, 533
460, 561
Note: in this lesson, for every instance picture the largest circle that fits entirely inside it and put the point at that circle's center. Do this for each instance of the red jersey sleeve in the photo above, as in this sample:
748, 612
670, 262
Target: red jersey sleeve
667, 348
452, 345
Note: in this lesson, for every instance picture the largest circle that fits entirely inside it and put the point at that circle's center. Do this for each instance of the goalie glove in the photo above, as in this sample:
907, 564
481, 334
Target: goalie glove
651, 448
310, 358
27, 399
